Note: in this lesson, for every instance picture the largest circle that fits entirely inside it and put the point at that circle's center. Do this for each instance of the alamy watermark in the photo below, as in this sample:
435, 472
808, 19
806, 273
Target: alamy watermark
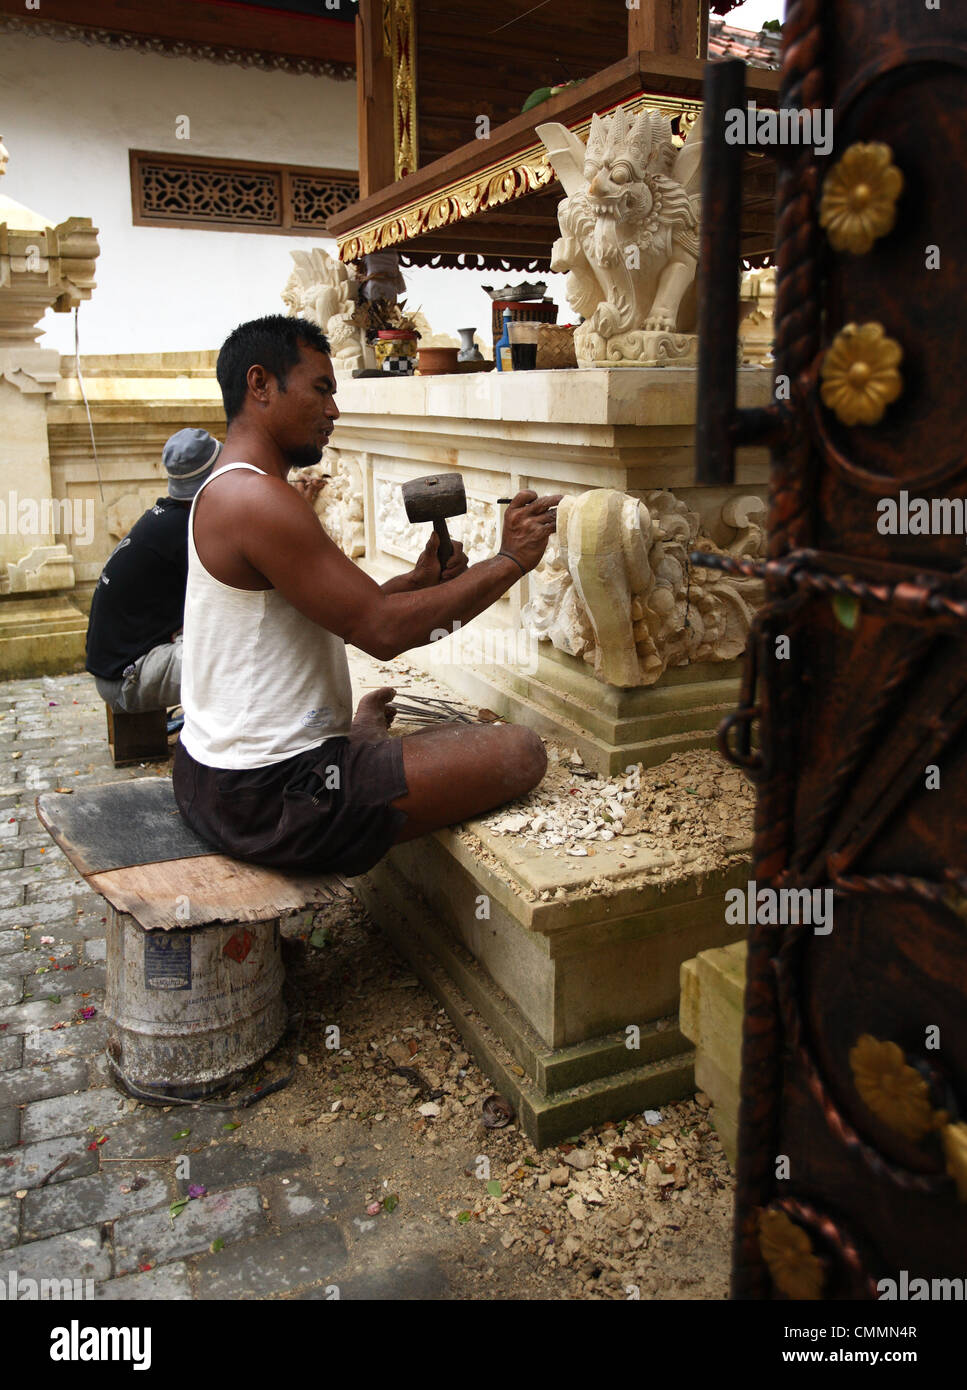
484, 646
49, 516
15, 1288
808, 907
906, 516
918, 1290
751, 126
76, 1343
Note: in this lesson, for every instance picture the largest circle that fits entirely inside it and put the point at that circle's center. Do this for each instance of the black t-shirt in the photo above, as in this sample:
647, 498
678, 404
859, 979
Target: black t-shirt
140, 597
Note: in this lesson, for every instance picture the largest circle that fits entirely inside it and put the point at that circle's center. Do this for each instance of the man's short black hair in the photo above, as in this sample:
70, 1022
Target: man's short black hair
271, 342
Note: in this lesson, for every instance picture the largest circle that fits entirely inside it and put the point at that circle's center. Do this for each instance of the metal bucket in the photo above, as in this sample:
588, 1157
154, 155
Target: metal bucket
191, 1010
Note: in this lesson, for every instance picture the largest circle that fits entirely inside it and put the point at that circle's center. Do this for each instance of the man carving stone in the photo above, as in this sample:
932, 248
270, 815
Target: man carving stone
272, 764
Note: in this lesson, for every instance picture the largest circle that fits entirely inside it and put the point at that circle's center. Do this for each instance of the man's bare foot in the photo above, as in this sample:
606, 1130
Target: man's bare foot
374, 714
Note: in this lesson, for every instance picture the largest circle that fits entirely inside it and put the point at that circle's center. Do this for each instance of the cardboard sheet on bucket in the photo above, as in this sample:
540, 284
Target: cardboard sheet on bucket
129, 841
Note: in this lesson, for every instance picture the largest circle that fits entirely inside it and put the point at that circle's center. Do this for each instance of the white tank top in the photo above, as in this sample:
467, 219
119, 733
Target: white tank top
260, 682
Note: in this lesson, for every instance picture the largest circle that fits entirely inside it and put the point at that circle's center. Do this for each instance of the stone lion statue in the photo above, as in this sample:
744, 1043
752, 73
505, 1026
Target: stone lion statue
629, 236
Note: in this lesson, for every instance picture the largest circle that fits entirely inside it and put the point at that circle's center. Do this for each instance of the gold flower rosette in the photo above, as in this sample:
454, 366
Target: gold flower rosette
898, 1095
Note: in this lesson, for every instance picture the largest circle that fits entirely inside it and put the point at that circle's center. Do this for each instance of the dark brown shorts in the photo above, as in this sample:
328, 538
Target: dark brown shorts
326, 810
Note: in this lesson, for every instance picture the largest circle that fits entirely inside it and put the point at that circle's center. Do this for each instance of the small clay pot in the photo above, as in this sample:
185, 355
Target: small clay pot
436, 361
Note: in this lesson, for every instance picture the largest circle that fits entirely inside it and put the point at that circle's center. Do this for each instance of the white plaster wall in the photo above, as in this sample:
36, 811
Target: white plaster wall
70, 113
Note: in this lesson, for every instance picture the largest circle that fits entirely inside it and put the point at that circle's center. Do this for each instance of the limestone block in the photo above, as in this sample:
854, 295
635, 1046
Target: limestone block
123, 512
577, 966
30, 369
712, 1002
629, 236
40, 636
25, 485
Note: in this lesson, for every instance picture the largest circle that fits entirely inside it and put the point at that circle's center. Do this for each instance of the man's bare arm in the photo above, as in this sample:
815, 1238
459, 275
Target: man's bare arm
280, 538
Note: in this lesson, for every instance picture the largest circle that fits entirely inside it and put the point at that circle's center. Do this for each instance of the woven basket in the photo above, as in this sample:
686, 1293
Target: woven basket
555, 346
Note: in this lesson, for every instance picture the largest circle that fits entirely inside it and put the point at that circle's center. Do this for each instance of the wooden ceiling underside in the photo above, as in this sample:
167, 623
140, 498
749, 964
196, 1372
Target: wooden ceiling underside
490, 66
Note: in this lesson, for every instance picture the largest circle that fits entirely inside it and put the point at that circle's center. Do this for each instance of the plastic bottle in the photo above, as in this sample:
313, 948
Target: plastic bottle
502, 347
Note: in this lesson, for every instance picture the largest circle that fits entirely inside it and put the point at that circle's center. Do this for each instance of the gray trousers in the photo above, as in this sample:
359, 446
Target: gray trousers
152, 682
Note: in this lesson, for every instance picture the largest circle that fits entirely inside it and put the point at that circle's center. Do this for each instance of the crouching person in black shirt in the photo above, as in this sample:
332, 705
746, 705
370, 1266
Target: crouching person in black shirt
134, 633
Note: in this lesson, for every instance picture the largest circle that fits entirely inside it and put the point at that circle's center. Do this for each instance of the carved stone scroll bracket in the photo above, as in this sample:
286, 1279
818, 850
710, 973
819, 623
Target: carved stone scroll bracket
616, 587
340, 506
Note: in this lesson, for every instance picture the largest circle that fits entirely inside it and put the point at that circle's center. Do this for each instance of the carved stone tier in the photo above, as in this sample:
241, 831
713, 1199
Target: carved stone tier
544, 989
136, 403
609, 727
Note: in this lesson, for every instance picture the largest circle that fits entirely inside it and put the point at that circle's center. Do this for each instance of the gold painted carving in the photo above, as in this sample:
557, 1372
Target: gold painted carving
860, 376
899, 1096
402, 35
511, 178
788, 1252
859, 198
954, 1140
896, 1093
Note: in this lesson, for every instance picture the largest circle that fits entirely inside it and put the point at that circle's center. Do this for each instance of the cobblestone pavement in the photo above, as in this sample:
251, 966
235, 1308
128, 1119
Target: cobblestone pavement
91, 1186
68, 1208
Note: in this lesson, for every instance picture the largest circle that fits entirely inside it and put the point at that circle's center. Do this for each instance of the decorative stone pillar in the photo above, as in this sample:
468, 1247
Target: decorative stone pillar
41, 266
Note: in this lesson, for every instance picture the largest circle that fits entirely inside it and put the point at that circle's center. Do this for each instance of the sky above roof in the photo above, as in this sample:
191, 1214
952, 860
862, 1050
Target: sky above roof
753, 14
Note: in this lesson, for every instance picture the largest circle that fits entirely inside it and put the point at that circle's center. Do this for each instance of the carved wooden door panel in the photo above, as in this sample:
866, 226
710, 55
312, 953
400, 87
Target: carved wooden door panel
852, 1165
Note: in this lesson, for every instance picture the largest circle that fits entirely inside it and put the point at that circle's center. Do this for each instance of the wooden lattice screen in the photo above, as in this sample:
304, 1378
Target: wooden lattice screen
169, 190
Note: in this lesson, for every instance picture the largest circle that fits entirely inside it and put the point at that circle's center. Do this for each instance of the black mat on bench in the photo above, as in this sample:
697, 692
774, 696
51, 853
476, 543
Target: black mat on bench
120, 824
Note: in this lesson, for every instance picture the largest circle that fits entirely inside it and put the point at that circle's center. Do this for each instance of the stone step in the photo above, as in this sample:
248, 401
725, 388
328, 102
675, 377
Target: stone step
556, 1093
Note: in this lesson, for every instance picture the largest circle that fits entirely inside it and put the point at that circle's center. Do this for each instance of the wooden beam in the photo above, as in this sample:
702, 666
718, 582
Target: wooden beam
374, 101
675, 27
221, 23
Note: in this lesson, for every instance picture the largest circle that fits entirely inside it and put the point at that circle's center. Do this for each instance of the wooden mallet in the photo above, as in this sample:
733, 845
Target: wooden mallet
434, 498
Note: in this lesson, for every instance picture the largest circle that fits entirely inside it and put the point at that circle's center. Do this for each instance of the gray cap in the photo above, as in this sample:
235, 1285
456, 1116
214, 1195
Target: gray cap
189, 456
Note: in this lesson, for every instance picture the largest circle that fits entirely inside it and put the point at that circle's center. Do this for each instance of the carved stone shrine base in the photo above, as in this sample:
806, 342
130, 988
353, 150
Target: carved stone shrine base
40, 637
550, 987
609, 727
639, 349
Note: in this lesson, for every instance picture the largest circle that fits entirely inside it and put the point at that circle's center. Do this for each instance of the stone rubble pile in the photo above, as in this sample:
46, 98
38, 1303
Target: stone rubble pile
691, 799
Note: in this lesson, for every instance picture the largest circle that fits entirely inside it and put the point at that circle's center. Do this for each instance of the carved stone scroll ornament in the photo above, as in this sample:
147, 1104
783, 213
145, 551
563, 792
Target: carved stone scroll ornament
616, 588
339, 505
629, 236
477, 531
